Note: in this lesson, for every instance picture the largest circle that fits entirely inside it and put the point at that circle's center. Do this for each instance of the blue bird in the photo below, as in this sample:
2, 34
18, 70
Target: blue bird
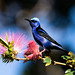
42, 37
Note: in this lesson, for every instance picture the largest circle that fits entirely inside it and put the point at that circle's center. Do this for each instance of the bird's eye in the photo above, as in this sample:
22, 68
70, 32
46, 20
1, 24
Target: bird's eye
33, 21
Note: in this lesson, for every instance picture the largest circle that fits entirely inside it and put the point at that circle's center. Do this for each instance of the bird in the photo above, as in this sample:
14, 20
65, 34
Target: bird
42, 37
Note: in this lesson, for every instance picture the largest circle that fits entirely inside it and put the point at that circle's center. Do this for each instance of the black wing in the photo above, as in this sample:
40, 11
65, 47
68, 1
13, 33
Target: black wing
45, 34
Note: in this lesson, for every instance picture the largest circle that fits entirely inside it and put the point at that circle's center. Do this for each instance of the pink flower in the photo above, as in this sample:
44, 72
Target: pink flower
19, 40
32, 51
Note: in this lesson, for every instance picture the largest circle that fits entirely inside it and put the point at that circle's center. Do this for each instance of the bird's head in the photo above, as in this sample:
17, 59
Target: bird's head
34, 22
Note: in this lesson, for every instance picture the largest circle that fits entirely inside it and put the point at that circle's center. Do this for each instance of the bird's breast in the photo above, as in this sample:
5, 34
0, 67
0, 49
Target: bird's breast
40, 39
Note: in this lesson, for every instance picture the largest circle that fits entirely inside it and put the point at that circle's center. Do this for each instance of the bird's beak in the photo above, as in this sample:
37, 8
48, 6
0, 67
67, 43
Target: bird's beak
28, 20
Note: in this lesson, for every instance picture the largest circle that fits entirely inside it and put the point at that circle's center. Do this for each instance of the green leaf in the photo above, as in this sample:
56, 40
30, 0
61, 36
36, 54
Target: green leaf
74, 58
47, 60
71, 54
10, 49
11, 44
69, 72
2, 42
7, 38
66, 57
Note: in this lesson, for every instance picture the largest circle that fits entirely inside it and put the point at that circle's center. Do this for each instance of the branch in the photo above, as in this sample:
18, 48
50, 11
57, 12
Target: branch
54, 62
59, 63
26, 59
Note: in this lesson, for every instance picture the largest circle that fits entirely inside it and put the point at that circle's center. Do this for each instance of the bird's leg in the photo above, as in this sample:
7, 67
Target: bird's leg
47, 52
43, 51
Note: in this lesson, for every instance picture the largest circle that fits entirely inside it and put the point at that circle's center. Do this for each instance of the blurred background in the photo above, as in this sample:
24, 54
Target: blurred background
57, 17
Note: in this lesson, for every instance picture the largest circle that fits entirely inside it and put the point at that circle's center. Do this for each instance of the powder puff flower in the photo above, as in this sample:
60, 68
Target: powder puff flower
11, 45
32, 51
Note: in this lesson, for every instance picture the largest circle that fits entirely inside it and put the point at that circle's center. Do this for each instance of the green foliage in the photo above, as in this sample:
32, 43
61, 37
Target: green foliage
6, 58
47, 60
69, 72
11, 46
7, 38
70, 58
9, 55
2, 42
65, 57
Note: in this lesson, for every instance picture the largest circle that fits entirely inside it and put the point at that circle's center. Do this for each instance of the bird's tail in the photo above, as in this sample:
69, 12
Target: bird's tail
60, 49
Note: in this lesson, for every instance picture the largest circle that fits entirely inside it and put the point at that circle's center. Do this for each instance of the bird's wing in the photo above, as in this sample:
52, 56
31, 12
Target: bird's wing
45, 34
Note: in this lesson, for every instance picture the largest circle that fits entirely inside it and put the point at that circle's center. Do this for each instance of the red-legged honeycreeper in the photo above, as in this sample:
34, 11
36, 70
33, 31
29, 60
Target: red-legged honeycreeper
42, 37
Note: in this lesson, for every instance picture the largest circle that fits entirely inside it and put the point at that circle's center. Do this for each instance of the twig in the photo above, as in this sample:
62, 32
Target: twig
55, 62
59, 63
26, 59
